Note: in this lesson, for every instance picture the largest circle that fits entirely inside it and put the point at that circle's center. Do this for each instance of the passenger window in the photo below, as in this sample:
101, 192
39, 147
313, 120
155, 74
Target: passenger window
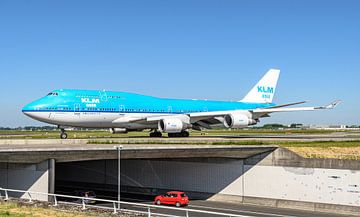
53, 94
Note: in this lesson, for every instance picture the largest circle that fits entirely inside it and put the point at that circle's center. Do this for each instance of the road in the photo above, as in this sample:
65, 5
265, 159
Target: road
221, 207
227, 208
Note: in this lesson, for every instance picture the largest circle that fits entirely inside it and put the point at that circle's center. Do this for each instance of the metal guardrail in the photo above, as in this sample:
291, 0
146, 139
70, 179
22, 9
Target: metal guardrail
115, 204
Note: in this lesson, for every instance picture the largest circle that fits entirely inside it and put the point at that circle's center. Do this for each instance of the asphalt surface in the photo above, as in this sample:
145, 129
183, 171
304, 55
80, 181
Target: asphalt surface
226, 208
231, 209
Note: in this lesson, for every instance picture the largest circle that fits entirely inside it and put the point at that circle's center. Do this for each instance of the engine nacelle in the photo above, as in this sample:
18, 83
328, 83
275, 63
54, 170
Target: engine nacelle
118, 130
171, 125
238, 121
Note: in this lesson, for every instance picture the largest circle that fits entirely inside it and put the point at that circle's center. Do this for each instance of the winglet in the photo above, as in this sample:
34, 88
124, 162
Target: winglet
331, 105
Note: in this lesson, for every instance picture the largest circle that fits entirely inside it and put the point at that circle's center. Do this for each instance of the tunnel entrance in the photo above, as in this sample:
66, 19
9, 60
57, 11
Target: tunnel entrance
142, 179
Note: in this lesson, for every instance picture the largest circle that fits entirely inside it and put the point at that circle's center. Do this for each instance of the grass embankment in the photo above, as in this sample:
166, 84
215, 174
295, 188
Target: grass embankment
349, 150
13, 209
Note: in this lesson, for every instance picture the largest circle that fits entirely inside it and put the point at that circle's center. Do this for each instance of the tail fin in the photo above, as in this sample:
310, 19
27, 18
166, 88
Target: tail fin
264, 90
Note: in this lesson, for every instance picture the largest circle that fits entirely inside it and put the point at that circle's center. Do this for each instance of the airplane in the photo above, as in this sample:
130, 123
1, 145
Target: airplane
122, 112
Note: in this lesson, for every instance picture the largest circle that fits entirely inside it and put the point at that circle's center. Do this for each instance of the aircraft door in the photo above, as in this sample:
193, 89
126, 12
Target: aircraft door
77, 109
121, 108
169, 109
103, 95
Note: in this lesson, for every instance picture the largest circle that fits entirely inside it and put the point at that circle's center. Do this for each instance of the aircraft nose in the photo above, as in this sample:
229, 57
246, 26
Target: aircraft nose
28, 109
37, 110
31, 109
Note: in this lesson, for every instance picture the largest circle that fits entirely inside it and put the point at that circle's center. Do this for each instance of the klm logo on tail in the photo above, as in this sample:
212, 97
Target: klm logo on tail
263, 89
266, 91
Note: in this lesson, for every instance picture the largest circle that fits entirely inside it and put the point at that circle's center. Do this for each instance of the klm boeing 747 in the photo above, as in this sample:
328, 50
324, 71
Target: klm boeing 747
122, 112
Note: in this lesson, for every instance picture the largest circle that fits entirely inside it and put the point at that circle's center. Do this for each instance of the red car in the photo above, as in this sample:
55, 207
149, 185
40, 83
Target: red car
176, 198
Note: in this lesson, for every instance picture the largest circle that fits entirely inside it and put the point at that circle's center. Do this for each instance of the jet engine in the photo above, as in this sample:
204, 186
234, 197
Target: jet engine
118, 130
171, 125
238, 121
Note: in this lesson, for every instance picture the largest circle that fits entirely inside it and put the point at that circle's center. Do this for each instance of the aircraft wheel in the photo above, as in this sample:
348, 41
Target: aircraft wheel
185, 134
158, 202
63, 136
156, 134
181, 134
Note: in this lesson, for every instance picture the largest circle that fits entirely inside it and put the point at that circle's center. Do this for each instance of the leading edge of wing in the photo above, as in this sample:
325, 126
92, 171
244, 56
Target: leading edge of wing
280, 109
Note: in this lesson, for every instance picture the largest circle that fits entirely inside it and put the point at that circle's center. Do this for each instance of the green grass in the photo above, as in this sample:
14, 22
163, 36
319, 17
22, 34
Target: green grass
71, 134
318, 144
321, 144
54, 134
18, 209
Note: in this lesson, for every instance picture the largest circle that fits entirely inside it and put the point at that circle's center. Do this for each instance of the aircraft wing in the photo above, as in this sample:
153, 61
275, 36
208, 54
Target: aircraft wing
266, 111
206, 119
289, 104
130, 119
149, 119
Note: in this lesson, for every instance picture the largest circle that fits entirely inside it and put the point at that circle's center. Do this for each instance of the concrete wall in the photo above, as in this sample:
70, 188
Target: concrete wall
31, 177
224, 177
317, 185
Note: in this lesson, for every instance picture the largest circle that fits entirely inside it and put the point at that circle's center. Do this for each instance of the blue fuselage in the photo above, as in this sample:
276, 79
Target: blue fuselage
122, 102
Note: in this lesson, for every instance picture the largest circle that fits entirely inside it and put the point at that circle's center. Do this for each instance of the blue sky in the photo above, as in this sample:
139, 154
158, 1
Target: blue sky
182, 49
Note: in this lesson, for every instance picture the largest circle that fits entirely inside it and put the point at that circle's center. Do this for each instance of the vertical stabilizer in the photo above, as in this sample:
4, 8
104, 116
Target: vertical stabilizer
264, 90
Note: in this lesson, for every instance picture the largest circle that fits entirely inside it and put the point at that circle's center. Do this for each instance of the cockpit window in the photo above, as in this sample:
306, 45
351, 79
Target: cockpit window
53, 94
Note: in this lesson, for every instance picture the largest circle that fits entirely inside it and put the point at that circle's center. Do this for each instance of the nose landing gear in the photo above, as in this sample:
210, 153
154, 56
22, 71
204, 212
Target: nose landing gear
63, 135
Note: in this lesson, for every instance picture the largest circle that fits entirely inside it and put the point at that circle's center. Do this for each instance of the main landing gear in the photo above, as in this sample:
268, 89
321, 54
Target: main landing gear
156, 134
63, 135
170, 135
181, 134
